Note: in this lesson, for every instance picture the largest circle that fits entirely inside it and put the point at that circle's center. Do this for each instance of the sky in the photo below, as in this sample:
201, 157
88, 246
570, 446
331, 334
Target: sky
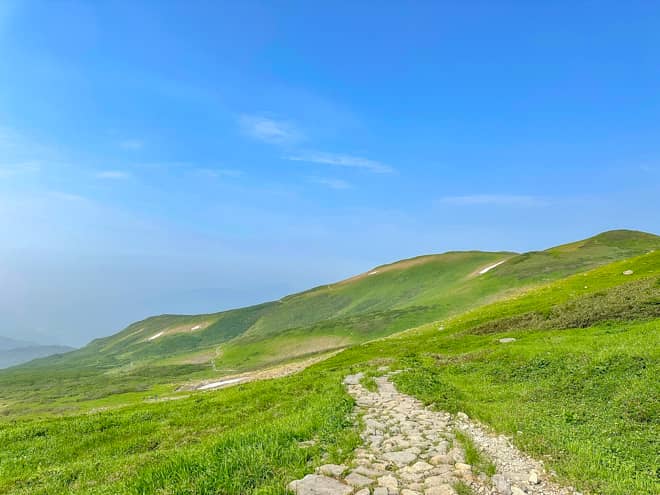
184, 157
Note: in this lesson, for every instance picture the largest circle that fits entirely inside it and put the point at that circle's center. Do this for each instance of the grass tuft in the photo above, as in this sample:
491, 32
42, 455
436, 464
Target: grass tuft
462, 488
473, 456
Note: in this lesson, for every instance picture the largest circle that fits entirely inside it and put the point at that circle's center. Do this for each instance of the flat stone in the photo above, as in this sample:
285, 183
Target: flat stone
432, 481
353, 379
534, 477
501, 483
406, 491
381, 490
463, 467
442, 469
388, 481
516, 477
628, 272
314, 484
421, 466
507, 340
335, 470
409, 475
440, 490
357, 480
456, 455
517, 491
368, 471
400, 458
364, 491
442, 447
440, 459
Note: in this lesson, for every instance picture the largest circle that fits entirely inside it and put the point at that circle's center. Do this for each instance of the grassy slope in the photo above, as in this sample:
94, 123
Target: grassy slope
583, 399
424, 288
398, 296
243, 440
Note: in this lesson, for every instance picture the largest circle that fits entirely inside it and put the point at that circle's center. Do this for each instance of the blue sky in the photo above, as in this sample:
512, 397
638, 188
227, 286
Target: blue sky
192, 156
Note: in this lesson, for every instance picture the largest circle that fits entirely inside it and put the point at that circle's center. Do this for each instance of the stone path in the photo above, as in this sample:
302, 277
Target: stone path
411, 450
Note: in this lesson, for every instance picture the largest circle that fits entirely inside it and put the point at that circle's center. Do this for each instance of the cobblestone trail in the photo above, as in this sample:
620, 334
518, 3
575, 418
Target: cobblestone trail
411, 450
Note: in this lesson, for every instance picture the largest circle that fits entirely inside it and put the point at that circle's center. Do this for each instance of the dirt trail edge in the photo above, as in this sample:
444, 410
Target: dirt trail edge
411, 450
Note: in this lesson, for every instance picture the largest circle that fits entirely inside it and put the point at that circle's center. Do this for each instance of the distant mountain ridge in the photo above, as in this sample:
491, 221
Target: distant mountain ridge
13, 351
7, 343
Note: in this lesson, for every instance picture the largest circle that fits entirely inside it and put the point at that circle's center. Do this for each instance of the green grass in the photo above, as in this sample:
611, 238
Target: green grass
473, 456
462, 488
241, 440
584, 400
578, 389
368, 381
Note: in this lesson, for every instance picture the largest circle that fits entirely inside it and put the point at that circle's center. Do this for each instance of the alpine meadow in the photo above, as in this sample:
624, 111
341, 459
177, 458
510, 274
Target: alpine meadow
575, 384
264, 247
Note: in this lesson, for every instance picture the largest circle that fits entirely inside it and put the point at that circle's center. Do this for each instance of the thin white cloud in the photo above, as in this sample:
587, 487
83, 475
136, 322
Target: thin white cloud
214, 172
269, 130
64, 196
493, 200
112, 175
341, 160
338, 184
131, 144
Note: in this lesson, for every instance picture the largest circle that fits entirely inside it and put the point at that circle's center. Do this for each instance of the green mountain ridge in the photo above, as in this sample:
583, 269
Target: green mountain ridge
396, 295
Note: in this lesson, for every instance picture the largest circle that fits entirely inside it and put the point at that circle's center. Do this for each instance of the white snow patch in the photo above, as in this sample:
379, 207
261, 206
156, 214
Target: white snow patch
155, 336
373, 272
196, 327
489, 268
212, 385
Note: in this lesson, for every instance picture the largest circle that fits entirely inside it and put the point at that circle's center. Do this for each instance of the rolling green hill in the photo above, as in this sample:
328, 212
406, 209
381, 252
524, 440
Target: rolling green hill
395, 296
157, 353
577, 388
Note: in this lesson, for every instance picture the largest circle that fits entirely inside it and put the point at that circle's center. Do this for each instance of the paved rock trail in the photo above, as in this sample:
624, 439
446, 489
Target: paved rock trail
411, 450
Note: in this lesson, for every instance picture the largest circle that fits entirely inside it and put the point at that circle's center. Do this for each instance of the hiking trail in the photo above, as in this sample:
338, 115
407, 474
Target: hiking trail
410, 449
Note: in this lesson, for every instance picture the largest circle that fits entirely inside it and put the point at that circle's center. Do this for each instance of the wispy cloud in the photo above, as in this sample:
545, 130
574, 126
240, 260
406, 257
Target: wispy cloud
338, 184
112, 175
131, 144
65, 196
269, 130
341, 160
215, 172
14, 169
493, 200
